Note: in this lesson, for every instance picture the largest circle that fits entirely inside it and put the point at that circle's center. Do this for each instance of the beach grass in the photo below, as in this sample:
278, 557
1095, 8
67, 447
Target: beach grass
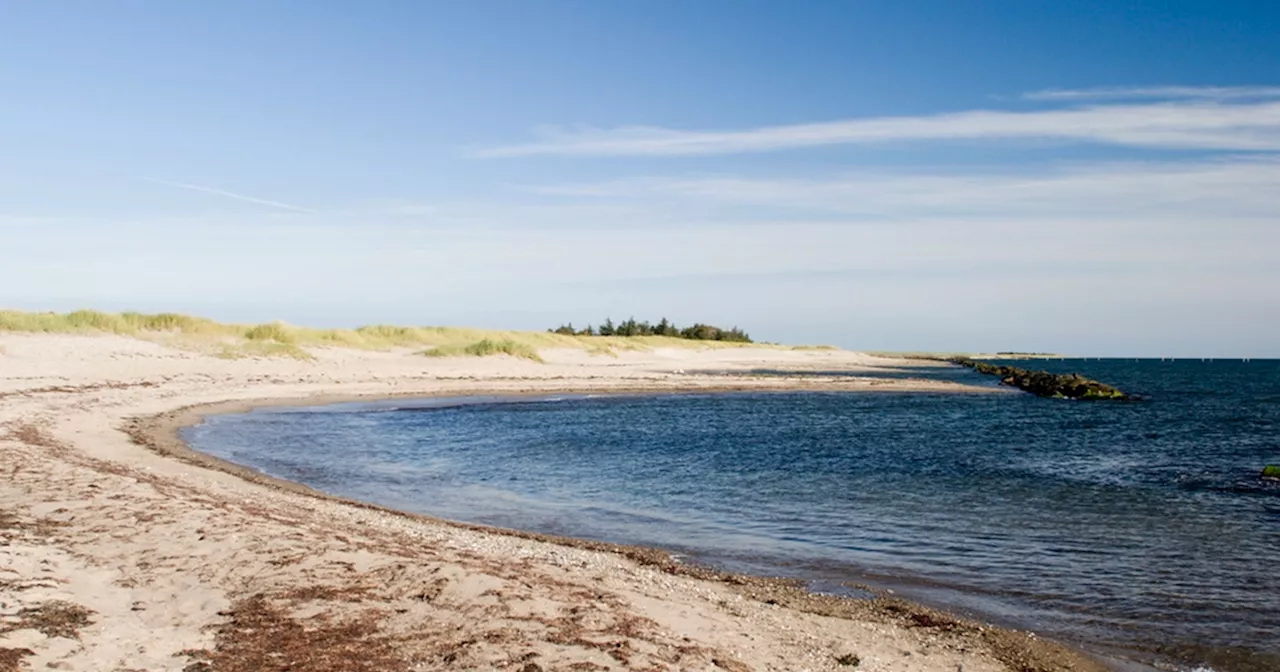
275, 331
278, 339
485, 348
83, 321
262, 349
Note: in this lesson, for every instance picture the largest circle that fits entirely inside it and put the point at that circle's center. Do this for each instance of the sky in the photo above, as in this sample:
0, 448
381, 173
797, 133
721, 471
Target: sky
1095, 177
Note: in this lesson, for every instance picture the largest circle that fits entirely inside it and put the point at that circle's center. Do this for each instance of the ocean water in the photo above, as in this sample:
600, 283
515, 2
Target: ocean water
1134, 526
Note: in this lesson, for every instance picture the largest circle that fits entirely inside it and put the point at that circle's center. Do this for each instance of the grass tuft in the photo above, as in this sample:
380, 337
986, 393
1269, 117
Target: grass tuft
263, 349
390, 334
602, 349
486, 348
273, 331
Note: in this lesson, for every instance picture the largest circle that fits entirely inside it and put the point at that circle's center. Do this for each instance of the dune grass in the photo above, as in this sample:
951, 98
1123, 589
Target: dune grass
262, 349
277, 339
82, 321
275, 331
485, 348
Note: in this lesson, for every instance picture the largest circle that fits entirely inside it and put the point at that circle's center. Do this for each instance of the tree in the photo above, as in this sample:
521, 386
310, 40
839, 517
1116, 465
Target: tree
631, 327
701, 332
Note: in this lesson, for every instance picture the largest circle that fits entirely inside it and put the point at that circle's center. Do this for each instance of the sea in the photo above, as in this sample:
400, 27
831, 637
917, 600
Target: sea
1139, 530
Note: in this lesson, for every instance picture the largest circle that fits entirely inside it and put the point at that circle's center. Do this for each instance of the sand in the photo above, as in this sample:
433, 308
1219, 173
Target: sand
122, 550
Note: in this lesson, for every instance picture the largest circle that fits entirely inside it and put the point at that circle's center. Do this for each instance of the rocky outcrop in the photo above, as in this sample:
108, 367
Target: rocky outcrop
1043, 383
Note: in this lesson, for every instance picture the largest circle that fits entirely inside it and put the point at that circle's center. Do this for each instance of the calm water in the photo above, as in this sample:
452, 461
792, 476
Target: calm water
1117, 524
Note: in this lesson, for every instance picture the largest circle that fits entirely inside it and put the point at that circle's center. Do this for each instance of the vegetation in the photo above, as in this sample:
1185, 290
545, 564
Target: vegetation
1043, 383
277, 339
1271, 472
92, 320
262, 349
485, 348
274, 331
697, 332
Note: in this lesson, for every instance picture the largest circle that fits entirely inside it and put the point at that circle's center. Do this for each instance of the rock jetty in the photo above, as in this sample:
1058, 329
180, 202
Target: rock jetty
1043, 383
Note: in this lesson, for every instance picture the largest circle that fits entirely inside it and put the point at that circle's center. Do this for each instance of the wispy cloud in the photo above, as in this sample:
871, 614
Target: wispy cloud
1182, 124
229, 194
1212, 189
1157, 92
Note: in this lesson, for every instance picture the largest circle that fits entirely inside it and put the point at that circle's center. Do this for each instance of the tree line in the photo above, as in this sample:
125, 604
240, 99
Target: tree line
630, 327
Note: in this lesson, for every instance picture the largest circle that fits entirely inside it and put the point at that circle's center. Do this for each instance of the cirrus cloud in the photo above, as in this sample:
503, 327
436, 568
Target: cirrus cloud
1197, 119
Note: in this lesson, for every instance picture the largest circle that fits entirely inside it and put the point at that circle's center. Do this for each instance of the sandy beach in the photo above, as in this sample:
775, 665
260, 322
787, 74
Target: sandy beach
122, 550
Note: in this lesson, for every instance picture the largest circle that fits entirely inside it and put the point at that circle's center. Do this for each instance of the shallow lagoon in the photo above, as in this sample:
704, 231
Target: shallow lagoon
1123, 524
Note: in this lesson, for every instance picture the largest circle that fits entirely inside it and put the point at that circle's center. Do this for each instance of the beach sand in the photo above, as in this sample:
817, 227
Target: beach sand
122, 550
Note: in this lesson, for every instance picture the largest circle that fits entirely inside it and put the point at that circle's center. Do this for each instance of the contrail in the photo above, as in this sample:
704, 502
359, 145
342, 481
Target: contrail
228, 194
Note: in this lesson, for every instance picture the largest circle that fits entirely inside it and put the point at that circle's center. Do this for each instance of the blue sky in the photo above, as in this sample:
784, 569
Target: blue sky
1099, 178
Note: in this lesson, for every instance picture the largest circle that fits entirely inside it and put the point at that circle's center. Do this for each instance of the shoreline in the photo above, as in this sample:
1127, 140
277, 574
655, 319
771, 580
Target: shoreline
175, 559
162, 433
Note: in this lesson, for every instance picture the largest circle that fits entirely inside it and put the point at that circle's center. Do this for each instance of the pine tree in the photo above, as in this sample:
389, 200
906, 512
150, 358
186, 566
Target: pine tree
630, 327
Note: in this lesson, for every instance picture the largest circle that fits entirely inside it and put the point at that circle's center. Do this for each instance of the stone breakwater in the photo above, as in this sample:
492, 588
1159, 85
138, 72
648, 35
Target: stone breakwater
1043, 383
